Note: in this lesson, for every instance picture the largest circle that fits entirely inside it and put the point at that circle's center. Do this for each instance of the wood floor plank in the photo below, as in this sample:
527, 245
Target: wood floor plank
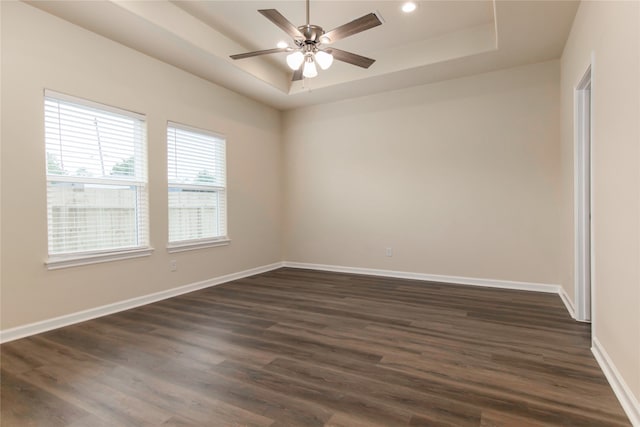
345, 420
334, 399
94, 396
379, 393
195, 408
23, 404
298, 347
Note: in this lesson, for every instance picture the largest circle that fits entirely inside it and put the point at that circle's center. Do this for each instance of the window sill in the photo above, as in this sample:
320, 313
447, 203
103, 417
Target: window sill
193, 245
58, 262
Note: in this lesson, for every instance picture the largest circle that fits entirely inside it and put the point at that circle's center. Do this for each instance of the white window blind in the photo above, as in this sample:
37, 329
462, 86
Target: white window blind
197, 185
96, 177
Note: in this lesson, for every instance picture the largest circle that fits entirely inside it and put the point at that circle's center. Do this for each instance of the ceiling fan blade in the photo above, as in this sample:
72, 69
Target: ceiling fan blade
258, 52
351, 58
282, 22
297, 75
354, 27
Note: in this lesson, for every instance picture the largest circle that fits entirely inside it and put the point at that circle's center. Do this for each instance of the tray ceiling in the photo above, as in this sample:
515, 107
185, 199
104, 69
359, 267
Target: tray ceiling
440, 40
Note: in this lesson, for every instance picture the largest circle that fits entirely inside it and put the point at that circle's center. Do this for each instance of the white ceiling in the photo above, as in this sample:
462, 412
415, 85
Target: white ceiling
440, 40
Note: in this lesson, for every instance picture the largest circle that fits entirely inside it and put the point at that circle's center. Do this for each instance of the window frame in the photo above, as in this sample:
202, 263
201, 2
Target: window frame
140, 182
205, 242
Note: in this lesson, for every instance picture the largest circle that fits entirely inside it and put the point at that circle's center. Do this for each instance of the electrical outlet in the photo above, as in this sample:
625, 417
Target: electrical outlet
173, 265
389, 252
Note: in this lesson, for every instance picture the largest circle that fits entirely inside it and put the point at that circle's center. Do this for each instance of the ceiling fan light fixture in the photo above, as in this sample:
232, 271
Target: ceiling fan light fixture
282, 44
308, 39
310, 70
295, 60
324, 59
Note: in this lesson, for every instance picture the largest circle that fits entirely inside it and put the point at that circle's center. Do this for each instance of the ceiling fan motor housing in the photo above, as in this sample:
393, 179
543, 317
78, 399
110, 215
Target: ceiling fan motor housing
311, 33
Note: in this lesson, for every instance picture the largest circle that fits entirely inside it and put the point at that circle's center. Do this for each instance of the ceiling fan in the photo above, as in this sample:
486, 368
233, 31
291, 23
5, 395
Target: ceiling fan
310, 43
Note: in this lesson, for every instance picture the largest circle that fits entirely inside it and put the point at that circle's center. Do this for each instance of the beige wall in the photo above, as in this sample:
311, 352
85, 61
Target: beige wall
460, 178
40, 51
609, 30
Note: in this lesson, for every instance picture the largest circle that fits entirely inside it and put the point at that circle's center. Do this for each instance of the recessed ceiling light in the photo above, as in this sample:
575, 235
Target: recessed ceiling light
409, 7
282, 44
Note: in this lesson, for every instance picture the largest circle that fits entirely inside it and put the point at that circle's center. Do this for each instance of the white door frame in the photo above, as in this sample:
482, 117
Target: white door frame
582, 199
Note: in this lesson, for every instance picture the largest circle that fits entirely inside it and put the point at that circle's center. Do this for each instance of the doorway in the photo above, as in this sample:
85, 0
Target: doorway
583, 286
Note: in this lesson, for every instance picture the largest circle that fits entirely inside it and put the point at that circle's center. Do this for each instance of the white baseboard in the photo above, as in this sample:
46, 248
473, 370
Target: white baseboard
489, 283
81, 316
622, 391
567, 302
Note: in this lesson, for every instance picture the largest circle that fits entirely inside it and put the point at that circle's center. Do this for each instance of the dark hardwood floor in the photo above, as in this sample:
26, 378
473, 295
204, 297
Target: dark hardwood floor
299, 347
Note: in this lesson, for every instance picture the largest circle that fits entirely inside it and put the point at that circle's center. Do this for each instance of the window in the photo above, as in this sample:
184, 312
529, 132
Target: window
197, 188
96, 179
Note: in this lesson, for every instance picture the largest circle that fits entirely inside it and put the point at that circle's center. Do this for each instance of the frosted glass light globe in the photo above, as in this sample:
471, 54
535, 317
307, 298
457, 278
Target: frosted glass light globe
324, 59
310, 70
295, 60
